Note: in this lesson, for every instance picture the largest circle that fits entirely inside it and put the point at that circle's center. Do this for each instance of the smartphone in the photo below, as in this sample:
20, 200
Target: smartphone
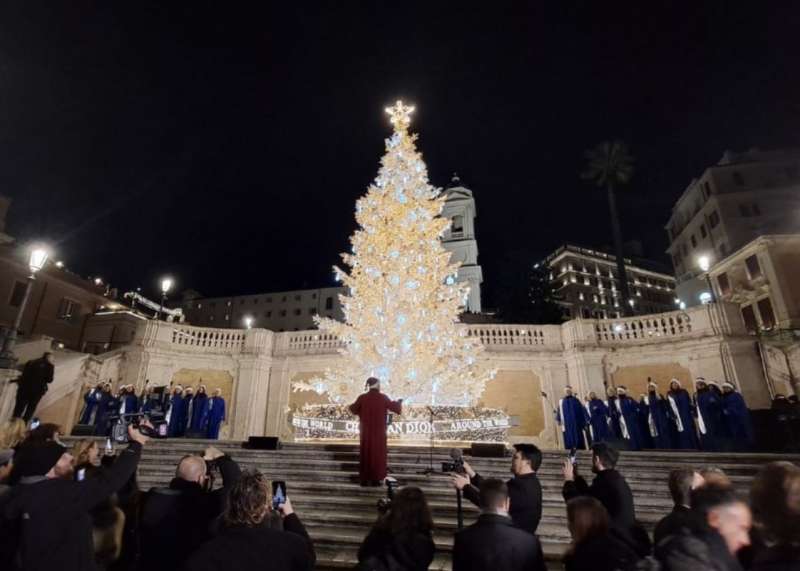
573, 456
81, 474
35, 424
278, 493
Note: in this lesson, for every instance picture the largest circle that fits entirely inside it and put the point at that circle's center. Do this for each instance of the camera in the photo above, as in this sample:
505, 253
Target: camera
119, 430
385, 503
573, 456
456, 463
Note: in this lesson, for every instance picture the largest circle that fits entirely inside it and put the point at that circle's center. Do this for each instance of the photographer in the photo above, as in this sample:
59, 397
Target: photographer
45, 518
524, 488
175, 521
250, 540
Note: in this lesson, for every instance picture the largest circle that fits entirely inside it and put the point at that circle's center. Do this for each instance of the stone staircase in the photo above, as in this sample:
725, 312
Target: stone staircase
322, 482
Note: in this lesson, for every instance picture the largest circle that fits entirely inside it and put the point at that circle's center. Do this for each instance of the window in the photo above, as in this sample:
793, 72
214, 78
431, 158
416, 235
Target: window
283, 298
703, 231
68, 309
724, 283
298, 297
229, 303
713, 219
17, 294
723, 249
241, 302
744, 210
749, 317
706, 189
458, 224
283, 313
199, 306
255, 301
756, 209
312, 310
329, 302
267, 314
753, 267
738, 179
211, 318
268, 300
227, 317
767, 316
313, 296
694, 241
212, 304
297, 311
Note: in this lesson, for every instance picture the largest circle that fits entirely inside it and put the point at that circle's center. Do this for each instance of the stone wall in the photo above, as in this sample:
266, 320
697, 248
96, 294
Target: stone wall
256, 368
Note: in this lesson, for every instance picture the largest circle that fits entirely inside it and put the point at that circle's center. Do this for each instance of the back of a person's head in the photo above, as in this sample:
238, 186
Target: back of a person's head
494, 494
12, 432
586, 518
409, 513
709, 497
531, 453
248, 500
714, 476
608, 455
191, 468
680, 485
43, 433
775, 497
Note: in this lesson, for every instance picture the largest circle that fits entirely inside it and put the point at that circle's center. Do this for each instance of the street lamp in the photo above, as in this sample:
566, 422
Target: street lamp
166, 285
248, 322
37, 258
704, 263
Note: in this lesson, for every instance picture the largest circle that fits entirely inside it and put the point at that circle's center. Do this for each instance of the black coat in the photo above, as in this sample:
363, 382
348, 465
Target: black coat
696, 550
176, 521
611, 490
525, 493
51, 517
494, 543
36, 375
778, 558
413, 552
680, 517
254, 548
604, 553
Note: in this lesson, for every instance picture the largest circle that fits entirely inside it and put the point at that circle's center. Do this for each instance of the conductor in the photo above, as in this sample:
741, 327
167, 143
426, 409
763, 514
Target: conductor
371, 408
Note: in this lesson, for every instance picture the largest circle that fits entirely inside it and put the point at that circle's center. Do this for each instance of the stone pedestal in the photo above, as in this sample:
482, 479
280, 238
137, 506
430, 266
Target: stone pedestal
8, 392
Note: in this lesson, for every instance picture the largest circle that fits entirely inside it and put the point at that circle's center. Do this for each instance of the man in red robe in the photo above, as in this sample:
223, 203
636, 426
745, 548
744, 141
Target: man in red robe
371, 409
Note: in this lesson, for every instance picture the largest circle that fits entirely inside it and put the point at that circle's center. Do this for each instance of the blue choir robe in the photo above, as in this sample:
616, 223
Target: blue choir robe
629, 421
737, 419
129, 404
614, 426
188, 402
683, 433
573, 419
216, 414
176, 416
598, 420
105, 408
658, 421
642, 417
92, 400
199, 411
709, 419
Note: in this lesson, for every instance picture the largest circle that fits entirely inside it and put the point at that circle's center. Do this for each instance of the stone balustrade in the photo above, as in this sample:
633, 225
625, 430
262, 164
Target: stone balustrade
196, 339
517, 337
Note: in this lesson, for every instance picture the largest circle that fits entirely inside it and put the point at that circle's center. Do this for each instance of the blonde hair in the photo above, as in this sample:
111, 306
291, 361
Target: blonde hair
80, 451
12, 432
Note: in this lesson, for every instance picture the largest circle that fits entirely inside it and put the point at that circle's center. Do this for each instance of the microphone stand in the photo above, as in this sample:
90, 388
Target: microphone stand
429, 470
459, 510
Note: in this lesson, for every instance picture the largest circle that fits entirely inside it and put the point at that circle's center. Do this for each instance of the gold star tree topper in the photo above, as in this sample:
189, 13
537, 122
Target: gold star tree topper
400, 115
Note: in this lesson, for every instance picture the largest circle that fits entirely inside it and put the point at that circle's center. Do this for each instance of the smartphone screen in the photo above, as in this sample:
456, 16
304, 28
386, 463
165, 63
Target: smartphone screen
278, 493
81, 474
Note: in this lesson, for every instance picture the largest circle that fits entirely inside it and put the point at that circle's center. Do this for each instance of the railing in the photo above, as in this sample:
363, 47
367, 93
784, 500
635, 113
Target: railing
227, 340
312, 342
649, 327
501, 337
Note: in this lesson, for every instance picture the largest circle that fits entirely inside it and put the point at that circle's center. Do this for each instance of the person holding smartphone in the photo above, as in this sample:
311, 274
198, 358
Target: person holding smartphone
249, 539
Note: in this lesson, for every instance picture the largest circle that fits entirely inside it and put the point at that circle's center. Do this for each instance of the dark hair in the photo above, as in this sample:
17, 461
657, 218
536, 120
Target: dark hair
494, 492
680, 485
716, 477
531, 453
248, 500
775, 511
43, 433
710, 496
607, 455
586, 518
409, 513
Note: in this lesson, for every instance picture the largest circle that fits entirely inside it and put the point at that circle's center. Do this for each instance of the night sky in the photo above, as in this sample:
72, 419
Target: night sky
227, 144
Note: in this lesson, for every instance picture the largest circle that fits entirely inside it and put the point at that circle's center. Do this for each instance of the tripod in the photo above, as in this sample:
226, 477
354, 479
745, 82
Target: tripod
459, 510
429, 470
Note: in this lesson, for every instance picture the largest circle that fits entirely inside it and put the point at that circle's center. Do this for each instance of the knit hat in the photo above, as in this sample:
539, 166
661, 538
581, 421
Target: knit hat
372, 381
37, 459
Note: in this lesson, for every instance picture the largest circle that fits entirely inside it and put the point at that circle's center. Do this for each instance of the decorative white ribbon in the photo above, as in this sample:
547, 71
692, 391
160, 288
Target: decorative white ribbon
622, 424
677, 414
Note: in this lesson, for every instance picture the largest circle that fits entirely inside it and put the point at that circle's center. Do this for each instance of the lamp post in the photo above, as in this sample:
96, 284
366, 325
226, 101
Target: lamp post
248, 322
36, 261
166, 285
704, 263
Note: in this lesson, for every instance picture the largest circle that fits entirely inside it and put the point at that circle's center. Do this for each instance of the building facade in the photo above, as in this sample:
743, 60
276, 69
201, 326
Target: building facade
588, 285
743, 196
295, 310
763, 279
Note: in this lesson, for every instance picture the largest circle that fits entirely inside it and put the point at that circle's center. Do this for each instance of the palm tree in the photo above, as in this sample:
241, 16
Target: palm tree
610, 165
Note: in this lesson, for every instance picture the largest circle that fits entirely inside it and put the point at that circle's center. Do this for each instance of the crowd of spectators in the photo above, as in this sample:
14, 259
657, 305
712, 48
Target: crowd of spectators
81, 508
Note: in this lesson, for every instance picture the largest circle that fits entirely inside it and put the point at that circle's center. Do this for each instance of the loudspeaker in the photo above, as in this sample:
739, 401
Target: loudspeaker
83, 430
263, 443
487, 450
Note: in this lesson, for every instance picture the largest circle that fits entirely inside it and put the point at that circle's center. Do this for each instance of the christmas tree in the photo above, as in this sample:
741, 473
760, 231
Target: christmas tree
403, 302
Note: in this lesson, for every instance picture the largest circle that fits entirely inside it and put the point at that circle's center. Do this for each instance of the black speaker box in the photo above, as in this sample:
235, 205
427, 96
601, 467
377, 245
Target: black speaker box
83, 430
263, 443
487, 450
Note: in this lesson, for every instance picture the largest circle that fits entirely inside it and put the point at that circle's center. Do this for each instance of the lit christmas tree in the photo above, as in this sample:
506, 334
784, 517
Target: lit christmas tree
401, 313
